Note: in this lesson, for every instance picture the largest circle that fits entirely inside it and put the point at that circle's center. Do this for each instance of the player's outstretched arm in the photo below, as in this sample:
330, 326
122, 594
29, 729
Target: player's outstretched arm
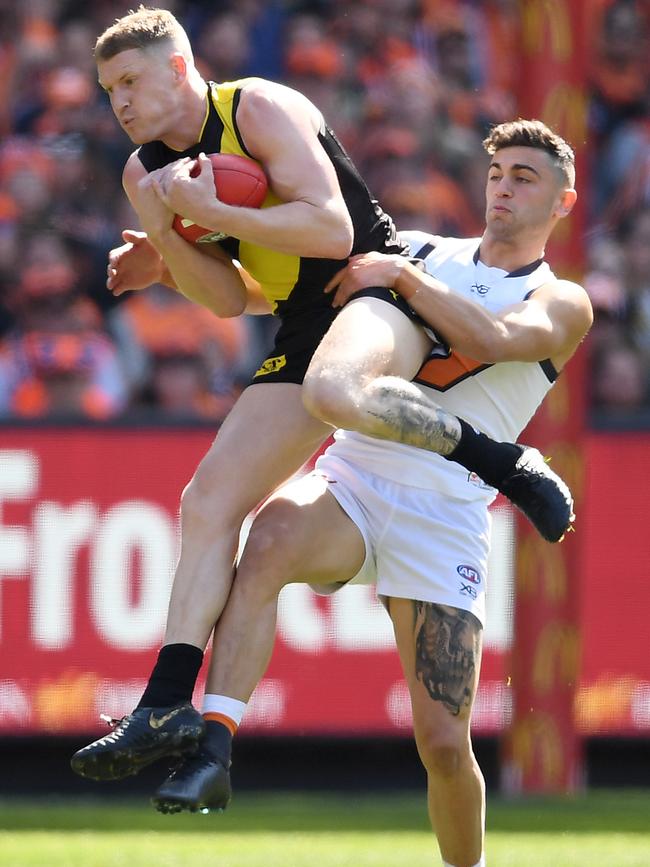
211, 280
550, 324
280, 129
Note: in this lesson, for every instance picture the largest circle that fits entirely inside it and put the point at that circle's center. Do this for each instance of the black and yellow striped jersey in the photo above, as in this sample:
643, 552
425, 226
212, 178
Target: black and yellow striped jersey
290, 283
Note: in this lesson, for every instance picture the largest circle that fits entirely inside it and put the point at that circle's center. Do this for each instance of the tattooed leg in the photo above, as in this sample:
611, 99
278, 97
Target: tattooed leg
446, 653
440, 651
397, 410
360, 379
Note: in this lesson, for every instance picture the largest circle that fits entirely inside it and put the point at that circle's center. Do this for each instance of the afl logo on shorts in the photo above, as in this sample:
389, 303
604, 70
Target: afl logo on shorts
469, 574
272, 365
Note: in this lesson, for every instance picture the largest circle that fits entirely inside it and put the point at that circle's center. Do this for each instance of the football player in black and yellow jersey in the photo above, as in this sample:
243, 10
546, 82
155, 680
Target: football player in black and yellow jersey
317, 213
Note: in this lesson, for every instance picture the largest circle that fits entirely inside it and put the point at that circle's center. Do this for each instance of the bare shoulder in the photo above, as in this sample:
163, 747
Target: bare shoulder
263, 103
570, 289
260, 92
563, 292
569, 301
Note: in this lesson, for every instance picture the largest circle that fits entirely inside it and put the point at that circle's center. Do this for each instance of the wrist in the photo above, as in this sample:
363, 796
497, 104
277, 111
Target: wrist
163, 238
408, 282
156, 239
212, 215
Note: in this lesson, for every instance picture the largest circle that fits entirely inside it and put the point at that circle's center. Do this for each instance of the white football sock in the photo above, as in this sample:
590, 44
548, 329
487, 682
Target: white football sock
222, 704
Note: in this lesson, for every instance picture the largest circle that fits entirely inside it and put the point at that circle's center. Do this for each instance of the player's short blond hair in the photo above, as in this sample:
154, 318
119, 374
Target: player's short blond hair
143, 28
533, 134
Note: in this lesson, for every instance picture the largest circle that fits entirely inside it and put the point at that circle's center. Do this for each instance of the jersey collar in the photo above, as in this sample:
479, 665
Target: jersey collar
519, 272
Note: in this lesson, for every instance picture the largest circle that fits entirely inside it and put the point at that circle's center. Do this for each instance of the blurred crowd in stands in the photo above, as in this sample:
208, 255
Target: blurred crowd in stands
411, 89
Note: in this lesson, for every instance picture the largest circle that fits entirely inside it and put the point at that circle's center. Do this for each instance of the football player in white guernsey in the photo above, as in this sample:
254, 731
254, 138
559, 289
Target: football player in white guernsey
406, 519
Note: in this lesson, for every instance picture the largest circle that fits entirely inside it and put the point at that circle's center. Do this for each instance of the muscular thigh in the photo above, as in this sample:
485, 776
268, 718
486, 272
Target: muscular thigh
371, 338
304, 527
440, 651
267, 436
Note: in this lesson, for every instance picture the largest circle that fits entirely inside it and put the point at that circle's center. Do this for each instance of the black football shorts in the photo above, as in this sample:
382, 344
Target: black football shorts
301, 331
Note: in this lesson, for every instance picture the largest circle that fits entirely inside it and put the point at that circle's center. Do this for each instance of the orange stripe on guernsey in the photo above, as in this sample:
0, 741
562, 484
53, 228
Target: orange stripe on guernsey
444, 373
230, 724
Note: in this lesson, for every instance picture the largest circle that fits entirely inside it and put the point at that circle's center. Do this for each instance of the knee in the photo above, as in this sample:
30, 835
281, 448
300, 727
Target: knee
268, 561
444, 754
204, 502
331, 396
195, 497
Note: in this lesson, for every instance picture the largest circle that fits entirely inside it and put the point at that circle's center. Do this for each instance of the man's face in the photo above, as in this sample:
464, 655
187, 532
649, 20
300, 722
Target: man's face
140, 86
525, 192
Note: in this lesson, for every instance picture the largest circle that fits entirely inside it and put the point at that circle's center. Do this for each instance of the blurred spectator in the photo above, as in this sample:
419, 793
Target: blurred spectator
620, 112
181, 388
162, 324
428, 200
619, 206
619, 73
315, 66
56, 376
82, 210
55, 359
620, 382
237, 39
223, 47
27, 175
636, 251
605, 278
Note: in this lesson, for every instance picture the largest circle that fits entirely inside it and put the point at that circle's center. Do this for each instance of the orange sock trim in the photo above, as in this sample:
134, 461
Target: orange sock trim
230, 724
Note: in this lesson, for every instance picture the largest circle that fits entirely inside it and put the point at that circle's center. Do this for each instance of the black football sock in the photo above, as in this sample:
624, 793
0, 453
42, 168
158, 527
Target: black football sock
490, 460
217, 741
173, 677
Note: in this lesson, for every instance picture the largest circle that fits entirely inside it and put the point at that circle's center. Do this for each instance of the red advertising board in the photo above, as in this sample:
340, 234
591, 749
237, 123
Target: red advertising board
615, 686
88, 541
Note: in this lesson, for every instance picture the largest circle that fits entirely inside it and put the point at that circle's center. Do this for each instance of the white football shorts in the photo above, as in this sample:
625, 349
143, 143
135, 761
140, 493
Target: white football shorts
420, 544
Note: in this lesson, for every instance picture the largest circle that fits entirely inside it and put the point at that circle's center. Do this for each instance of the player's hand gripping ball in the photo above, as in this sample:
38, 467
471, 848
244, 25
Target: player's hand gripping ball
239, 181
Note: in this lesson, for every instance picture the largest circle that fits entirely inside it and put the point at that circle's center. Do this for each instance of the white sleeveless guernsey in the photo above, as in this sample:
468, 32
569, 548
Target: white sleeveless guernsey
498, 399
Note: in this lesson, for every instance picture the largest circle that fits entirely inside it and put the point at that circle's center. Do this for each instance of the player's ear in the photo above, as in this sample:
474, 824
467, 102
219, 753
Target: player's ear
566, 203
179, 67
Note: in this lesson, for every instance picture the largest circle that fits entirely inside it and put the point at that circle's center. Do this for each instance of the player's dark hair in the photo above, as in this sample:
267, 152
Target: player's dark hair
533, 134
141, 29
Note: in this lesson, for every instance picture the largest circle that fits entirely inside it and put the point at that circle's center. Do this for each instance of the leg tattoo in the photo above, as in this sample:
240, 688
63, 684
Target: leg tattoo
446, 653
402, 413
